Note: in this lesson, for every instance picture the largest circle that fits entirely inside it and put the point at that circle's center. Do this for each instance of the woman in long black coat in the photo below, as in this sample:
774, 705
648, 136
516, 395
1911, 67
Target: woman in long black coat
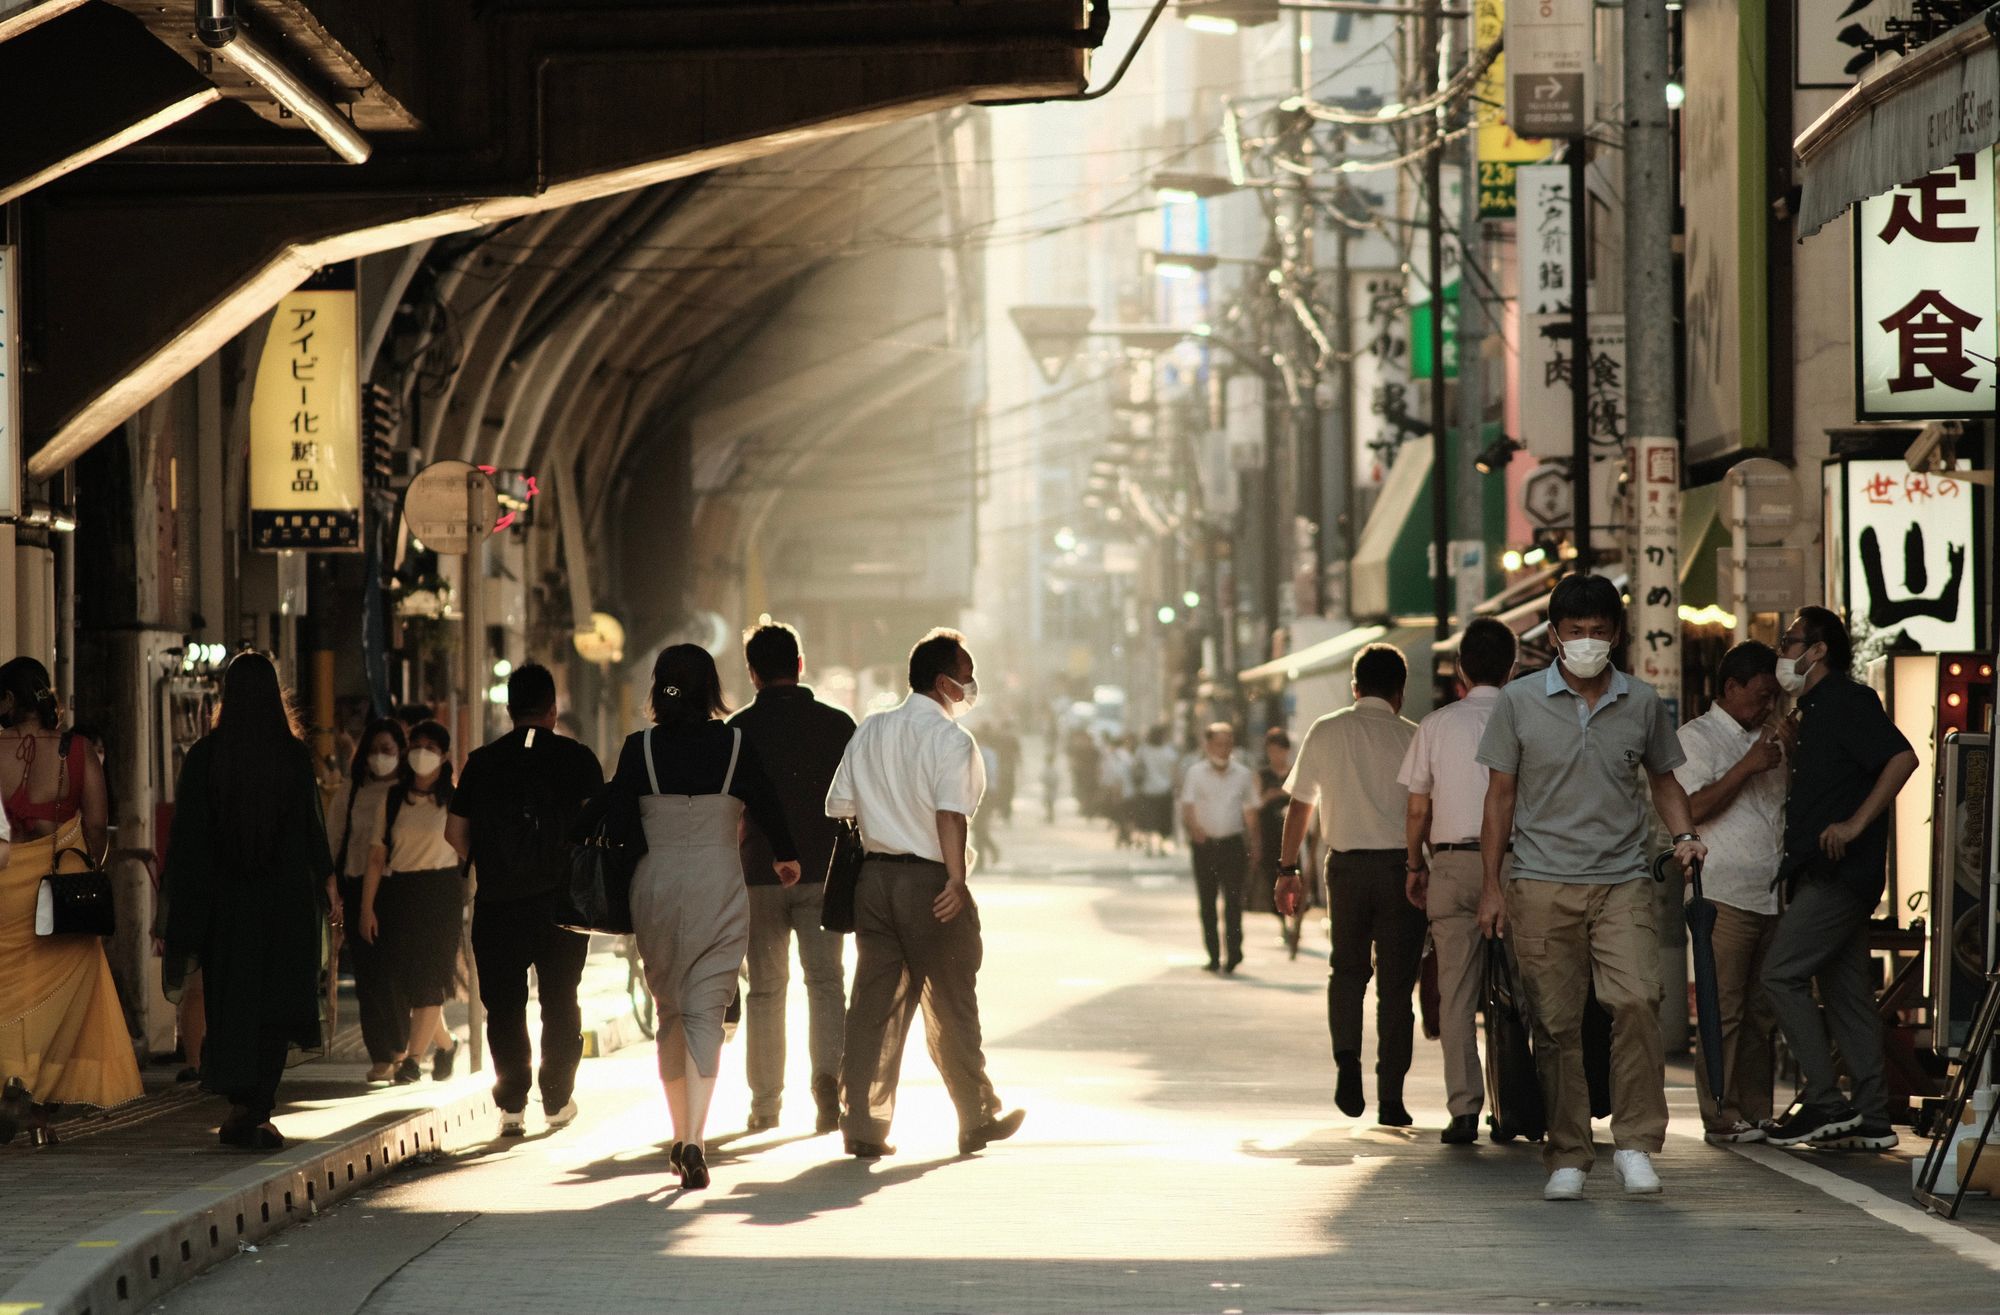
246, 887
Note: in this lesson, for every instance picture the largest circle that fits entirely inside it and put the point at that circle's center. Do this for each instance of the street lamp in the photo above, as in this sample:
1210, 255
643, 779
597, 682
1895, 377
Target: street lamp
1054, 334
1176, 187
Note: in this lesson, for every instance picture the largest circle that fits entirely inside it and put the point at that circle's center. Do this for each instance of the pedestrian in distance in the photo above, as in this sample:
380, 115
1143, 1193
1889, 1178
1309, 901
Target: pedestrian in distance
800, 741
1156, 763
248, 886
413, 901
1573, 753
354, 817
1272, 805
1115, 787
984, 842
1735, 776
1447, 788
512, 812
912, 778
1219, 809
694, 777
1346, 771
1849, 763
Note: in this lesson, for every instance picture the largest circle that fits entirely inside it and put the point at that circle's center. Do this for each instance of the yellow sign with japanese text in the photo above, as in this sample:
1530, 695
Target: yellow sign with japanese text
305, 421
1499, 149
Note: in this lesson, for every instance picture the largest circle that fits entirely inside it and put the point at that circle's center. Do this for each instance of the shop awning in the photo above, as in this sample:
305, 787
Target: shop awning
1908, 119
1337, 654
1703, 534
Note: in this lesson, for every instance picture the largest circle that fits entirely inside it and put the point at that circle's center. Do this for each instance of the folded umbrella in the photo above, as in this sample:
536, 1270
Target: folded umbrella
1707, 1001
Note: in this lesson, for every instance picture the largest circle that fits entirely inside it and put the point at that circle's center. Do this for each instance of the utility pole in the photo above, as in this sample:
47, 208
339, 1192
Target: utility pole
1579, 338
1297, 247
1433, 50
1470, 499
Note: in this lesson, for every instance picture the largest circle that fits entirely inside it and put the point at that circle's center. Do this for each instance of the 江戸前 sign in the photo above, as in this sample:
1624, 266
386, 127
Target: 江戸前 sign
1927, 312
305, 421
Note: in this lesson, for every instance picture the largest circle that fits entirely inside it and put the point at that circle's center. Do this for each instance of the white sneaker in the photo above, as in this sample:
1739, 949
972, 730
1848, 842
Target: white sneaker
1564, 1185
513, 1123
1635, 1170
565, 1116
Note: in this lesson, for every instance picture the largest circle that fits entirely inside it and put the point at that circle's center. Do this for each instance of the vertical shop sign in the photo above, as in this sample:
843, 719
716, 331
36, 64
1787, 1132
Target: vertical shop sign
1385, 403
1500, 150
305, 422
1656, 463
1911, 560
1551, 45
1926, 309
10, 382
1547, 415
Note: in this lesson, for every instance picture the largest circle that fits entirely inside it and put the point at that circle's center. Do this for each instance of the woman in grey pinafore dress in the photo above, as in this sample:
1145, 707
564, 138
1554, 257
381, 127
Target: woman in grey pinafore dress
694, 779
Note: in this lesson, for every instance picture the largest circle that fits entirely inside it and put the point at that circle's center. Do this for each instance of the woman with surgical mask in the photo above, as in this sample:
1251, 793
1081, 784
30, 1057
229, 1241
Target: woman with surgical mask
413, 899
354, 815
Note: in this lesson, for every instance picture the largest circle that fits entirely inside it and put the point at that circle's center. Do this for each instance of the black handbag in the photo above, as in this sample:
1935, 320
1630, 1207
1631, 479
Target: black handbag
604, 854
843, 872
75, 903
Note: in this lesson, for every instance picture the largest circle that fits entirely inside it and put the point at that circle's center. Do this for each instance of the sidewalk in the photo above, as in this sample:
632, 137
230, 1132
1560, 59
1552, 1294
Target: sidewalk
131, 1202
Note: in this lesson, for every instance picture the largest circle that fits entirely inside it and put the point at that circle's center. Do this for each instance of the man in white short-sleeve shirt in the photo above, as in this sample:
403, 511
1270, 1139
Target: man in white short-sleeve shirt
1347, 769
1736, 780
912, 778
1447, 800
1219, 810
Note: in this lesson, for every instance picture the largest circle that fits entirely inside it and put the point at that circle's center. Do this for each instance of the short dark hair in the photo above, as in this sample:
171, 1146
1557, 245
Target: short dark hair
1826, 627
531, 691
1277, 735
1744, 663
772, 651
686, 687
1586, 598
936, 654
1486, 652
1379, 671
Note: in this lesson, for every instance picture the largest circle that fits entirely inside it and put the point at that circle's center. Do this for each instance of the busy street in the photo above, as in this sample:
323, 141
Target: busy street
1020, 655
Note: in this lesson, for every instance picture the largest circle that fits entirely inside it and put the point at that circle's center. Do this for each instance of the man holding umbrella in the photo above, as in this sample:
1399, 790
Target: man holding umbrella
1735, 779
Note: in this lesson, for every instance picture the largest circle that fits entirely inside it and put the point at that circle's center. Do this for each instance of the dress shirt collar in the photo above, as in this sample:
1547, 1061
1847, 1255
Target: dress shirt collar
1380, 707
1481, 694
1722, 721
1554, 683
915, 705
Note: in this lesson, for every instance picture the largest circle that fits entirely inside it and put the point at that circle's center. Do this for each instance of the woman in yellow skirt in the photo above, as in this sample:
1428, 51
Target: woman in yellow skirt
62, 1032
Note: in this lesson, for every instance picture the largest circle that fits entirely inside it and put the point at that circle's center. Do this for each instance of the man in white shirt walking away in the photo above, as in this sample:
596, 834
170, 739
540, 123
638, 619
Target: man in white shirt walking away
1735, 778
1447, 800
912, 778
1347, 769
1219, 809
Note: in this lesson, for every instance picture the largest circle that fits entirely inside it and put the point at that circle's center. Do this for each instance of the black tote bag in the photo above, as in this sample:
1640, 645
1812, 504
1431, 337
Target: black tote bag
604, 853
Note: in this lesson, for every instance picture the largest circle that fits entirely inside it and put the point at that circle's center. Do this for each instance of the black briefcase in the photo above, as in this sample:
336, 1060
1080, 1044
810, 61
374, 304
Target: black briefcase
843, 873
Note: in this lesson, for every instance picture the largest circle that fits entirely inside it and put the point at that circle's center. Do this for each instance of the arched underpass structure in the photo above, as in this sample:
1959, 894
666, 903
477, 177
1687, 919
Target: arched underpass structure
693, 267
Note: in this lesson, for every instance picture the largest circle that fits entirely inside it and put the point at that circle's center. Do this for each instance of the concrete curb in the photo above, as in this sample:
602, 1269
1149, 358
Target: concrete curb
125, 1261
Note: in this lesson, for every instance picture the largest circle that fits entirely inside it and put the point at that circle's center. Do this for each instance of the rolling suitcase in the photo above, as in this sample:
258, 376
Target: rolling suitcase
1513, 1089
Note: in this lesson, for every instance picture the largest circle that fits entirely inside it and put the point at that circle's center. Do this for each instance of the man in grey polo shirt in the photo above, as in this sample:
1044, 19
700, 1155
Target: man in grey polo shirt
1565, 749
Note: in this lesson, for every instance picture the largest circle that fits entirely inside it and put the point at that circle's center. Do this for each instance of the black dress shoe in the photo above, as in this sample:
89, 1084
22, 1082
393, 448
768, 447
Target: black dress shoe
1390, 1113
993, 1130
869, 1150
1212, 966
441, 1062
1463, 1130
674, 1156
1347, 1097
1232, 965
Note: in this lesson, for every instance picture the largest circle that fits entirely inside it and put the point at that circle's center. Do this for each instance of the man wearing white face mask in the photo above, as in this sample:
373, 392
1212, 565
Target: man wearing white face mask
912, 778
1849, 763
1566, 749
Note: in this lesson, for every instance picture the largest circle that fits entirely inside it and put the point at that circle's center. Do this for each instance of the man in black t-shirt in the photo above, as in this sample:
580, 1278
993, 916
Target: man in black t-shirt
1848, 763
800, 741
511, 814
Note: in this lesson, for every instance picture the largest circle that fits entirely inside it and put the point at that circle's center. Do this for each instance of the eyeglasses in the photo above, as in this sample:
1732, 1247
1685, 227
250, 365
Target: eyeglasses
1790, 642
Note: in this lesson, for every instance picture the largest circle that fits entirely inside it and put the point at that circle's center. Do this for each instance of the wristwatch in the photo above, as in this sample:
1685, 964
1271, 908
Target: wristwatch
1687, 835
1288, 869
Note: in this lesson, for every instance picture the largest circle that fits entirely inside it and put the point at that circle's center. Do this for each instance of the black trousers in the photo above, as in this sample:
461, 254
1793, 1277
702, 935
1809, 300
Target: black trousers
1375, 929
261, 1096
1220, 866
378, 991
509, 938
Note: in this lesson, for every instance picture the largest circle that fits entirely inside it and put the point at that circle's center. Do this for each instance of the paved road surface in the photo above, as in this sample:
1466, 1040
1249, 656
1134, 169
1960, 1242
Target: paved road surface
1181, 1154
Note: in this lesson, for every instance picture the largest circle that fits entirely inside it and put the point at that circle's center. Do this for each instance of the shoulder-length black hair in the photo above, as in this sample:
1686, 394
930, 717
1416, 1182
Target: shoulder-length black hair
687, 690
257, 753
438, 737
357, 768
28, 681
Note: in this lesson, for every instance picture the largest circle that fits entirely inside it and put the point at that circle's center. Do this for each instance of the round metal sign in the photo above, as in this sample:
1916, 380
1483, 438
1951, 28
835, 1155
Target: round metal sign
451, 506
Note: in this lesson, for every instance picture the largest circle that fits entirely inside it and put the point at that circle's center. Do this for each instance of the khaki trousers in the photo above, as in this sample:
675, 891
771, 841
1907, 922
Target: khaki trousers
1453, 905
1742, 940
1567, 937
777, 914
904, 958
